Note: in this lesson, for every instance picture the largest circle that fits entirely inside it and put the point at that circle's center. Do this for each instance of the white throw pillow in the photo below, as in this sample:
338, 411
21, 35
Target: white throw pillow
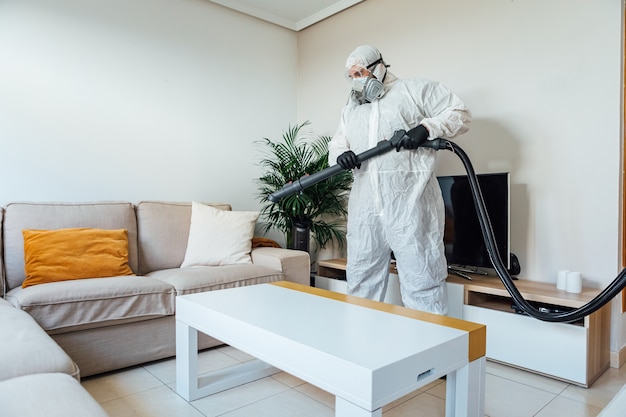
219, 237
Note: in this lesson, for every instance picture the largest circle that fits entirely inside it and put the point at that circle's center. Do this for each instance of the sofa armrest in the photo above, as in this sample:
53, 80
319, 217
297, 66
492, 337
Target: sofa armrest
295, 264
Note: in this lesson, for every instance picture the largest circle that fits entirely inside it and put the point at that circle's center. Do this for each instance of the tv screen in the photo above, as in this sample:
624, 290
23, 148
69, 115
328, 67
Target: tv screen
463, 238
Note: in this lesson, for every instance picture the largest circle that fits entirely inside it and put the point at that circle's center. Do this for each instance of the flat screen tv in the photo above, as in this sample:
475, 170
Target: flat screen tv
463, 239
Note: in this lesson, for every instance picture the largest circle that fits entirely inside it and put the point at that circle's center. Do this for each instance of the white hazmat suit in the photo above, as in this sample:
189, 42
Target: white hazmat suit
395, 203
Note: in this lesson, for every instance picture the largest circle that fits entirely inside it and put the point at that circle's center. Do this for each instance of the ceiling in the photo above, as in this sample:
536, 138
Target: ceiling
292, 14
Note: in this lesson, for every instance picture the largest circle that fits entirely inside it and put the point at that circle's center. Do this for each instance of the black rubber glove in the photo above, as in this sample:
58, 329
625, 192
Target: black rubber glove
414, 138
348, 160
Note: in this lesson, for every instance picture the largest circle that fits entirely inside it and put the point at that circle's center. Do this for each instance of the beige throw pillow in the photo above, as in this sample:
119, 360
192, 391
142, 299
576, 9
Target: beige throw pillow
219, 237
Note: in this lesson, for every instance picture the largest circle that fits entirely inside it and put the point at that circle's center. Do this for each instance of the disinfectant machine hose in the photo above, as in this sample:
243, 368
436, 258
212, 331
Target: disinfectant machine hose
387, 145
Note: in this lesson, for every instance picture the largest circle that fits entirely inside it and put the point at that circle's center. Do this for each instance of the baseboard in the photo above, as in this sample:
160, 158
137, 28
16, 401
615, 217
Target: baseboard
618, 358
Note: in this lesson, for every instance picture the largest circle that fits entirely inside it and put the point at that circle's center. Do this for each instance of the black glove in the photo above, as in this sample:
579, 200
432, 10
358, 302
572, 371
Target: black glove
413, 139
348, 160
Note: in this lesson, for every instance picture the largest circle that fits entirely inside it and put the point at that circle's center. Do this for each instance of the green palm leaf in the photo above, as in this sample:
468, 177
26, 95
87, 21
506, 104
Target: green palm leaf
322, 206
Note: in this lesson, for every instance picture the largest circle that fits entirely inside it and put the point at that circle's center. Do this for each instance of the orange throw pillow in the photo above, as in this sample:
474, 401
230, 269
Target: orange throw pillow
66, 254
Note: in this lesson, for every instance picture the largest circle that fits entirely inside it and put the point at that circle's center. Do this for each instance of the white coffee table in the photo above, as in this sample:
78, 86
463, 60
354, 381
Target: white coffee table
365, 353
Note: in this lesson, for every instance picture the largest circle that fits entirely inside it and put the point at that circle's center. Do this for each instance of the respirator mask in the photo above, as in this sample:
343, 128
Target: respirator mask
367, 89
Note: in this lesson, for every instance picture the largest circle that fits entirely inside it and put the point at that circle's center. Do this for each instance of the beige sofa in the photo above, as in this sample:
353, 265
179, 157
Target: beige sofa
109, 323
37, 378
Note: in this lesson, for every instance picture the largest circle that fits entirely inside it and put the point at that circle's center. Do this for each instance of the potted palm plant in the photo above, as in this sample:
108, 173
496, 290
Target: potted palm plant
319, 209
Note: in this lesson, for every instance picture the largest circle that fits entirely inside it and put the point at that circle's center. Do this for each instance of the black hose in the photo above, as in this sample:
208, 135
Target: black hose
492, 249
592, 306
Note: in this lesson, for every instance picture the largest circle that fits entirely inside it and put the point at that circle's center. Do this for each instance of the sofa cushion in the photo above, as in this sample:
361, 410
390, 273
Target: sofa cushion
218, 237
163, 233
48, 216
25, 348
65, 306
209, 278
75, 253
50, 395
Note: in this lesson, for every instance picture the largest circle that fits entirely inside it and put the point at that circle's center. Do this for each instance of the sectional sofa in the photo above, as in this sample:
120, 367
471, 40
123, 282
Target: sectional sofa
81, 325
37, 378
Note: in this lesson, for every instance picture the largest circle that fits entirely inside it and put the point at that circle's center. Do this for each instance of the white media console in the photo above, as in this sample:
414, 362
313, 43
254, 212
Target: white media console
574, 352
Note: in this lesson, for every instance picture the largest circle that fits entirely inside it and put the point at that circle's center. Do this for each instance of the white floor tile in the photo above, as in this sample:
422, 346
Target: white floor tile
527, 378
157, 402
602, 391
241, 396
505, 398
289, 403
423, 404
208, 360
564, 407
438, 390
115, 385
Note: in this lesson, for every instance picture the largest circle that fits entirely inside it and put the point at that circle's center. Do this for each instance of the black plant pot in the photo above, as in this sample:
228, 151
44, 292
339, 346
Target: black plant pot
301, 235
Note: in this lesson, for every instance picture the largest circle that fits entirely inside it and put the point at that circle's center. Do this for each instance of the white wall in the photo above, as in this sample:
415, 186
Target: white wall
141, 99
543, 80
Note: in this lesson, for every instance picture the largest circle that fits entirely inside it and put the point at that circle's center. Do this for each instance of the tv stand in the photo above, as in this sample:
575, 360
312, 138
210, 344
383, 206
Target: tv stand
576, 352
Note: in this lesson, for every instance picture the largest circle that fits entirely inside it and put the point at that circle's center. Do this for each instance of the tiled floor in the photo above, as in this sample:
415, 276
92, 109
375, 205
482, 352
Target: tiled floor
149, 391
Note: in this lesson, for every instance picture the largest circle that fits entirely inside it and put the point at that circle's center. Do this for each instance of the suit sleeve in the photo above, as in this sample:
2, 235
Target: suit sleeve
338, 144
447, 116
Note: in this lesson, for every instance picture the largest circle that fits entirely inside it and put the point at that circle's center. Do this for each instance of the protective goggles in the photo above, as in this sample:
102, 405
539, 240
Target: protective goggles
359, 71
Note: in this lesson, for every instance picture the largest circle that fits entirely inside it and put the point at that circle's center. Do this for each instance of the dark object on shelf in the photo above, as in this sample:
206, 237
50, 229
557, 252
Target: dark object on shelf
514, 266
545, 308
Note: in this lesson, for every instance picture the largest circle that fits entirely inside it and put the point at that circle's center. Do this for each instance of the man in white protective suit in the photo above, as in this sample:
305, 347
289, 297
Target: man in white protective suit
395, 203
